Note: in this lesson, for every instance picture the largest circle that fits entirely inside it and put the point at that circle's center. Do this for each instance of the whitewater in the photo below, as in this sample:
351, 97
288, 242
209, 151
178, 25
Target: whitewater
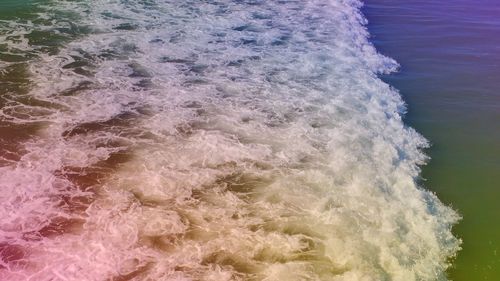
209, 140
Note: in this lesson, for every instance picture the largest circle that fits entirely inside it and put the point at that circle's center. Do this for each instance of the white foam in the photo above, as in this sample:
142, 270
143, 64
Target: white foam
257, 143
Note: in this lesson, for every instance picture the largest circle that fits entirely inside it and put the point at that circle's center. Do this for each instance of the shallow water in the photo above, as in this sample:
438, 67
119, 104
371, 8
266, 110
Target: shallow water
450, 64
208, 140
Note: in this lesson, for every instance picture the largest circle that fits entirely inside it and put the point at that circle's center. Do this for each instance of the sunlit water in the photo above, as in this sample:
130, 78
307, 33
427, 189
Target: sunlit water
208, 140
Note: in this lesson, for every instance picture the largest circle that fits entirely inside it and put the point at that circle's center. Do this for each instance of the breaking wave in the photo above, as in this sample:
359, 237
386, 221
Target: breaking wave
208, 140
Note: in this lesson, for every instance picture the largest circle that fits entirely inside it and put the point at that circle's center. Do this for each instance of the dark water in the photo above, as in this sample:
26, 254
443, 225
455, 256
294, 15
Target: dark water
449, 53
15, 8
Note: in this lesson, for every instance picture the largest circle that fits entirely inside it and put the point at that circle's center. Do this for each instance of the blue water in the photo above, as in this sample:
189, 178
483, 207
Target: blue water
449, 53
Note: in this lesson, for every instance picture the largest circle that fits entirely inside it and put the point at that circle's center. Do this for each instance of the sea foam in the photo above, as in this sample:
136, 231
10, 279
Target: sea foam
212, 140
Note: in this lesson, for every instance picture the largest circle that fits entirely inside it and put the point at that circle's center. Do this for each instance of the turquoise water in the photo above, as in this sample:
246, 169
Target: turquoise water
208, 140
12, 6
16, 8
450, 64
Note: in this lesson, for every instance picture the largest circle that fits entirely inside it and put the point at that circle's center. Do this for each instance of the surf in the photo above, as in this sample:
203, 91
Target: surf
219, 140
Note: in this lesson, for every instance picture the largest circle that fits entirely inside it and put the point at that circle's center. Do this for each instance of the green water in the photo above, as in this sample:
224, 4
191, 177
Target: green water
10, 9
15, 80
448, 51
465, 173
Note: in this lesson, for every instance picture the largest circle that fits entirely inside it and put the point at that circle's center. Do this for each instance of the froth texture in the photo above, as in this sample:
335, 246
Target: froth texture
211, 140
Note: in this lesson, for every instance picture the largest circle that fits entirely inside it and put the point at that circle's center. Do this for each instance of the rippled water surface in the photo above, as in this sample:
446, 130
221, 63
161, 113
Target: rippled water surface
450, 64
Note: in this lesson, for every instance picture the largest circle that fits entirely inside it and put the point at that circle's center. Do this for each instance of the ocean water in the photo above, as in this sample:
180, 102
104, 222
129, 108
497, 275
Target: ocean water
208, 140
450, 64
